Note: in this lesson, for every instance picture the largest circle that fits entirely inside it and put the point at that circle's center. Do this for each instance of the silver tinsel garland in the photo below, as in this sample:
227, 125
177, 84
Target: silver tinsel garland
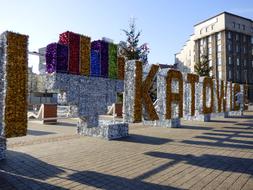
161, 99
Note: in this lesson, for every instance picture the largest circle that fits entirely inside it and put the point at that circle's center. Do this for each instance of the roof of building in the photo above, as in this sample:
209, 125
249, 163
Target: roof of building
164, 66
231, 14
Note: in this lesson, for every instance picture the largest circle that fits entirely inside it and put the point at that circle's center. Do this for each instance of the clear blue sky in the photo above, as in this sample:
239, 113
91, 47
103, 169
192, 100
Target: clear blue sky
165, 24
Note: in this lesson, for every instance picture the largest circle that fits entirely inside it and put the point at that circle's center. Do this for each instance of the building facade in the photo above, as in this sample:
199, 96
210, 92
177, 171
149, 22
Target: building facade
227, 41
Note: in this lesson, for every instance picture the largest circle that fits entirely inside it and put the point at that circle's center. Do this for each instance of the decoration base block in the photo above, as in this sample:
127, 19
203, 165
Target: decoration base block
204, 117
105, 131
173, 123
233, 113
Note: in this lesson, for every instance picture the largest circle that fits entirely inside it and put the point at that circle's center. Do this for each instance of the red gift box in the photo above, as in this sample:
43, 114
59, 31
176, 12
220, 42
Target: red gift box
72, 40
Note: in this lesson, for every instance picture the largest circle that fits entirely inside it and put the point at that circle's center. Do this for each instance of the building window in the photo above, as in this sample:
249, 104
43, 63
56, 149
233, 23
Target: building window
245, 62
234, 24
210, 62
201, 42
229, 35
201, 51
211, 27
229, 47
244, 38
244, 49
219, 36
236, 37
209, 39
238, 26
206, 29
219, 48
245, 75
219, 61
229, 75
220, 74
237, 48
200, 31
237, 75
251, 39
210, 51
243, 27
238, 61
229, 60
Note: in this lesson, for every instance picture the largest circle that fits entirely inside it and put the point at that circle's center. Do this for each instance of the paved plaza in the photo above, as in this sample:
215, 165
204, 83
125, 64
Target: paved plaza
211, 155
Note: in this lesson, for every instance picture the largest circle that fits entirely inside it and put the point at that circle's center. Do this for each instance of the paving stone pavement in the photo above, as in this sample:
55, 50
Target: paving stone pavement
211, 155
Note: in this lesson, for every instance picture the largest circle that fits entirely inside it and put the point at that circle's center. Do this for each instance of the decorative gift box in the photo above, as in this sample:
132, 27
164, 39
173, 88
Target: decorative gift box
56, 58
72, 40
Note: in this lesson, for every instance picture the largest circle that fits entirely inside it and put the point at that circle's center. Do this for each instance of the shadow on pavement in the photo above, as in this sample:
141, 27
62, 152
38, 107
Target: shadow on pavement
238, 136
142, 139
246, 124
67, 124
38, 133
238, 128
22, 167
231, 131
221, 121
109, 182
228, 138
241, 117
19, 182
216, 162
217, 144
228, 135
195, 127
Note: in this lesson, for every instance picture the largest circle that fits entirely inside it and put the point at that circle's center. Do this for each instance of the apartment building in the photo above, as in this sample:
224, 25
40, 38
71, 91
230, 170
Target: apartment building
227, 40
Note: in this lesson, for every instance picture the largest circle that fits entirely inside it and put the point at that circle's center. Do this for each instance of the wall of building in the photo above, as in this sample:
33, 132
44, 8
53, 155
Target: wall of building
185, 58
227, 39
210, 26
238, 24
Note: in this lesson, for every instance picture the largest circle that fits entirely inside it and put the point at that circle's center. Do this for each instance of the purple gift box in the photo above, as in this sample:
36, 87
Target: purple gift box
56, 58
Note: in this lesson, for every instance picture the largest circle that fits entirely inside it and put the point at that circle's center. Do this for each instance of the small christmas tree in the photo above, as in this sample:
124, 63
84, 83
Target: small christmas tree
130, 49
202, 67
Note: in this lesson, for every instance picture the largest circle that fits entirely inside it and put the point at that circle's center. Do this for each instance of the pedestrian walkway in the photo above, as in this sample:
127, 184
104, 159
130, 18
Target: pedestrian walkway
210, 155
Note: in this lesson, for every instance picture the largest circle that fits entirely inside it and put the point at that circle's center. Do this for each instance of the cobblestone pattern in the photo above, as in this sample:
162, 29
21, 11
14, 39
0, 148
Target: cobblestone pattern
212, 155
